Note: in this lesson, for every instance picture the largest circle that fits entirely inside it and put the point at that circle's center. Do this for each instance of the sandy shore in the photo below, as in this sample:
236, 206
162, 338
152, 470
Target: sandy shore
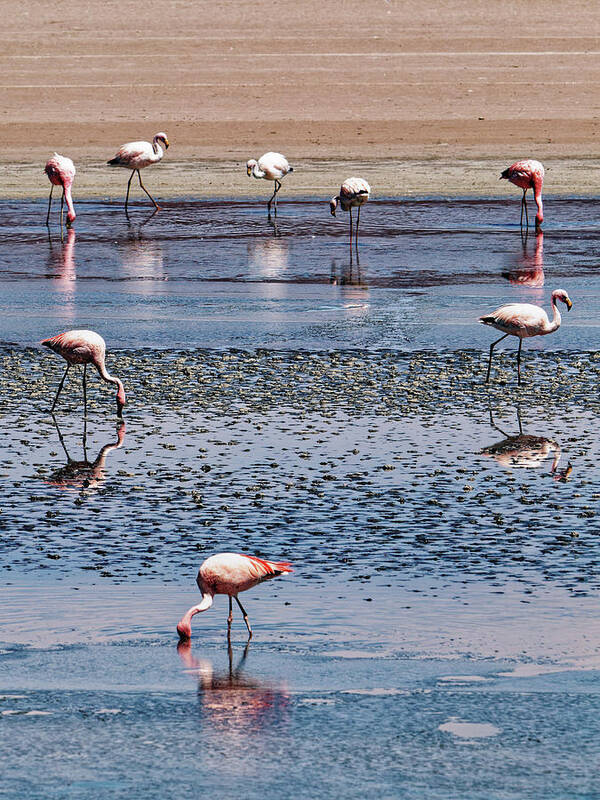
426, 99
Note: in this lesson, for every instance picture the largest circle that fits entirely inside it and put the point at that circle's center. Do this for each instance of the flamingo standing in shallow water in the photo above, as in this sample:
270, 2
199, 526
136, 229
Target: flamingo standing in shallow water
84, 347
524, 320
271, 167
528, 174
137, 155
353, 192
229, 573
61, 172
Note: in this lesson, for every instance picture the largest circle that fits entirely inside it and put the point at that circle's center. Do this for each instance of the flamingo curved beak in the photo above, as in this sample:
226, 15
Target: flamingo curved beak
569, 304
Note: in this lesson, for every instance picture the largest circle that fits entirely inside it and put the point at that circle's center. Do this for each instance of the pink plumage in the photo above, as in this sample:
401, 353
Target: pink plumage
524, 320
528, 174
61, 172
229, 573
84, 347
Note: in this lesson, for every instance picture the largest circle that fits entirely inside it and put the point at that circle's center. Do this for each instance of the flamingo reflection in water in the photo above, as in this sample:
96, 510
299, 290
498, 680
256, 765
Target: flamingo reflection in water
526, 450
528, 269
84, 474
234, 702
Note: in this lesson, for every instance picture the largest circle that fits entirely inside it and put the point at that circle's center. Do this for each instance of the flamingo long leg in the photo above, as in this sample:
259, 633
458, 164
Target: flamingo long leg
62, 205
274, 198
519, 362
128, 188
243, 610
156, 206
357, 224
493, 344
350, 224
229, 619
49, 204
84, 391
60, 386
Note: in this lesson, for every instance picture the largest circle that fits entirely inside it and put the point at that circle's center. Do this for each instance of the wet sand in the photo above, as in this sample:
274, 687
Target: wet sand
442, 96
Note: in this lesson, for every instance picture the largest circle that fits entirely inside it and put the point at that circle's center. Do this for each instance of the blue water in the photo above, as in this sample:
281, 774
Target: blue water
295, 398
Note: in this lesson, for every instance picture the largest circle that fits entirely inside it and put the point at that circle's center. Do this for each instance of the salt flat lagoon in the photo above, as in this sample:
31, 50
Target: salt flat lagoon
293, 398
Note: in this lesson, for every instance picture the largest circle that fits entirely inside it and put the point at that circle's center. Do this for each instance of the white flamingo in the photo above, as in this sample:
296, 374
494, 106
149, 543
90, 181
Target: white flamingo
271, 167
524, 320
137, 155
353, 192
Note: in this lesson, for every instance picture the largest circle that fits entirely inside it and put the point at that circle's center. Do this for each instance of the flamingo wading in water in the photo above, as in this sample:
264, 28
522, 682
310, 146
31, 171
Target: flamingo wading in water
528, 174
229, 573
271, 167
61, 172
137, 155
353, 192
524, 320
84, 347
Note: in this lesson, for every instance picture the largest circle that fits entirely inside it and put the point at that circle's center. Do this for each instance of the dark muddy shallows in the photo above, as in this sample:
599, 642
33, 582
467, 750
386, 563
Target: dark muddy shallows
355, 464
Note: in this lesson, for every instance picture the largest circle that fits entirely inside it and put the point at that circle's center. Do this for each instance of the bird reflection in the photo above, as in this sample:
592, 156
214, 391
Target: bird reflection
525, 450
231, 700
269, 257
61, 261
84, 474
528, 269
347, 272
141, 257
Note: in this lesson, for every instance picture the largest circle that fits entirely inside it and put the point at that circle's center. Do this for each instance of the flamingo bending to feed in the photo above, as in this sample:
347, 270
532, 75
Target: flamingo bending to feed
524, 320
528, 174
84, 347
137, 155
61, 172
229, 573
353, 192
271, 167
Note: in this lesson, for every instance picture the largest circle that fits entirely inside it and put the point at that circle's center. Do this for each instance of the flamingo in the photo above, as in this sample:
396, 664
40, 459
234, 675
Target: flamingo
229, 573
528, 174
524, 320
137, 155
84, 347
61, 172
353, 192
271, 167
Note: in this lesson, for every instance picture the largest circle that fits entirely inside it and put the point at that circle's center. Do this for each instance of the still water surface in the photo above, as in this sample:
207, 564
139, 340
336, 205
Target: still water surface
291, 398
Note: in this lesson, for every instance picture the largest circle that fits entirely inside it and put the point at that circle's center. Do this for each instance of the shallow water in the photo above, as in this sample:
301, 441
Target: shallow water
217, 274
439, 635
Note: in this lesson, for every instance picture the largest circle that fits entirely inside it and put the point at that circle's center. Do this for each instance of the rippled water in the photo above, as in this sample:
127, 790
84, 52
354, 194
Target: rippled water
295, 399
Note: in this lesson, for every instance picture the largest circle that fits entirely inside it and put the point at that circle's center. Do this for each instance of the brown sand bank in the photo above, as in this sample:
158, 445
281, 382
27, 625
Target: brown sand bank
421, 97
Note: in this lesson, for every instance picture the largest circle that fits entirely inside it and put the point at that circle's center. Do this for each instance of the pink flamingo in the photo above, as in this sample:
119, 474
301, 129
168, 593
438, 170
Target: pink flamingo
61, 172
271, 167
229, 573
137, 155
528, 174
353, 192
524, 320
84, 347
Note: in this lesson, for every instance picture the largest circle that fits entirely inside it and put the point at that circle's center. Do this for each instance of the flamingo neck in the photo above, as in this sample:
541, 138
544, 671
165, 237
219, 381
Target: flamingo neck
537, 196
116, 382
158, 151
184, 626
556, 318
257, 172
69, 201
